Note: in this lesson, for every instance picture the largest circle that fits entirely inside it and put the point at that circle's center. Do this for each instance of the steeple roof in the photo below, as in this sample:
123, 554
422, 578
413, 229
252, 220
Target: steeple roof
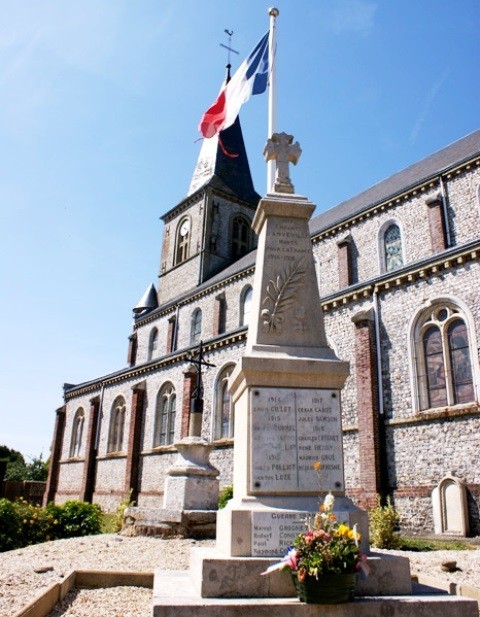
223, 159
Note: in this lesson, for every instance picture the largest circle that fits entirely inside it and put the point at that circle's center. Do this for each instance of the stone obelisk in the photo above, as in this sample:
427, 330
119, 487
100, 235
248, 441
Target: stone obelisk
286, 388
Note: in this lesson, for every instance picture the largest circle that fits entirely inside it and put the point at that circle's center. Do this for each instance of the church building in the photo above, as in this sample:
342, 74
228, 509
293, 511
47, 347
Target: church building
399, 279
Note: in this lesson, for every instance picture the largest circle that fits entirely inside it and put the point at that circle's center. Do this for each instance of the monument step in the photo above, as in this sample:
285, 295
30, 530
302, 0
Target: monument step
197, 524
174, 596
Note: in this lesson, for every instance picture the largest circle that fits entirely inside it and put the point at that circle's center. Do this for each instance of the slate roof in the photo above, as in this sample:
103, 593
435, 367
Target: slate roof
223, 163
440, 161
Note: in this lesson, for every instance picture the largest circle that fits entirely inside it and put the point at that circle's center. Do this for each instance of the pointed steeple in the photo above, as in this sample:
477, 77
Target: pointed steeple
148, 301
223, 159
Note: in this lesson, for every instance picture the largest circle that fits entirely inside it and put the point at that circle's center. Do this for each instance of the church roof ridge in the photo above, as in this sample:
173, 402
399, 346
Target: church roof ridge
427, 168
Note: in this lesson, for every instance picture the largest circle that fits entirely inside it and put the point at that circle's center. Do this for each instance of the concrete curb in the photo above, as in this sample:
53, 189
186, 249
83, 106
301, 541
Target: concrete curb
44, 602
453, 589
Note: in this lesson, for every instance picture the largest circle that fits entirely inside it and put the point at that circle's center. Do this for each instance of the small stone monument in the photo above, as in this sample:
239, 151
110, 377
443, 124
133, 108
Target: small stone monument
191, 492
450, 511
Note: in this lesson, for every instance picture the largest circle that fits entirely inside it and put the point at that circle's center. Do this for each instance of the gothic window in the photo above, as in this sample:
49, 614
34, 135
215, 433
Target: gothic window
196, 327
172, 335
153, 343
240, 236
392, 242
220, 315
117, 425
77, 433
245, 305
443, 358
182, 246
165, 409
391, 248
223, 428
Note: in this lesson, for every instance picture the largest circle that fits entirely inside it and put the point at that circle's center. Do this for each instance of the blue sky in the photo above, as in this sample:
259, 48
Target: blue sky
99, 107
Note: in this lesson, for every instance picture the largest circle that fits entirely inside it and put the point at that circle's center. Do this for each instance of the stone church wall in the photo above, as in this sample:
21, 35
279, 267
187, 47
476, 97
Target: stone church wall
421, 446
71, 474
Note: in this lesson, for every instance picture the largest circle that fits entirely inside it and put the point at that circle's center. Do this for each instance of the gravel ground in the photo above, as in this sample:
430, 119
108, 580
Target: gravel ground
19, 581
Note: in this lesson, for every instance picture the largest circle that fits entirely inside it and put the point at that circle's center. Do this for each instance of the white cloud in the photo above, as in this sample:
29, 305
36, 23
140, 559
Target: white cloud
427, 105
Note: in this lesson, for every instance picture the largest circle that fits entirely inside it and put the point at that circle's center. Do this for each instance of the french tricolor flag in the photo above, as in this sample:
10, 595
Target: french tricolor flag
250, 78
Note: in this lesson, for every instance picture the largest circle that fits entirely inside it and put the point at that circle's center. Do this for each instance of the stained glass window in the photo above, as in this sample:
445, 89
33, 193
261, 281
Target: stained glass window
392, 241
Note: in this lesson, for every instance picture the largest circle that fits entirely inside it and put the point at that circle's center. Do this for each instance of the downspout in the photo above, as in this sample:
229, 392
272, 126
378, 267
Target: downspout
100, 416
379, 352
203, 243
175, 328
443, 191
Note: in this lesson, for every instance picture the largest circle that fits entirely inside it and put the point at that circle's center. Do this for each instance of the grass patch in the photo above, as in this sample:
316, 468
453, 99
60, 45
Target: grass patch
109, 523
423, 544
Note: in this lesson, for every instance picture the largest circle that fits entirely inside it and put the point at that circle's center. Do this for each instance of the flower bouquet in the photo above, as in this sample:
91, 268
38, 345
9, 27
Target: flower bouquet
325, 559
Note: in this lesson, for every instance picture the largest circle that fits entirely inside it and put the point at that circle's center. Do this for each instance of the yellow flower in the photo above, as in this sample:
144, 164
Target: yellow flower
343, 530
317, 465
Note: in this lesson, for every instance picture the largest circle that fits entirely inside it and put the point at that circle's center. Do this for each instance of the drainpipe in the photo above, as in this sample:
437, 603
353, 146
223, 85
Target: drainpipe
175, 330
203, 246
443, 190
100, 417
379, 351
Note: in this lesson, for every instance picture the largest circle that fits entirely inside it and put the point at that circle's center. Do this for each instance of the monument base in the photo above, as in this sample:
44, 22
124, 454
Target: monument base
215, 576
175, 596
196, 524
267, 526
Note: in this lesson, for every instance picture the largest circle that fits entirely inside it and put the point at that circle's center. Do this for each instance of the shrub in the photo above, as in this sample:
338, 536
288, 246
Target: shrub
75, 518
225, 495
10, 526
36, 523
122, 506
383, 524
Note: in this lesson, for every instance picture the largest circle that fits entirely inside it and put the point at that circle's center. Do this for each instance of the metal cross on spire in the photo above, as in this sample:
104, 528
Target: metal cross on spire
230, 50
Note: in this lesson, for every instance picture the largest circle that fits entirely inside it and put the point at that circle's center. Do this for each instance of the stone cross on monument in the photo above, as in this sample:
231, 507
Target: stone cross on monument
281, 149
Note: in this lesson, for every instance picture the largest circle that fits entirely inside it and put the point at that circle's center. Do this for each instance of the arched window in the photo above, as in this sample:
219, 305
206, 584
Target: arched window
443, 358
240, 236
165, 410
153, 343
391, 247
196, 327
223, 426
117, 425
182, 246
77, 433
245, 305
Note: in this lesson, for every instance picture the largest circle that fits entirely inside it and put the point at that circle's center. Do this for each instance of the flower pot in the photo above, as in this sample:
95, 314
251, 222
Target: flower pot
327, 589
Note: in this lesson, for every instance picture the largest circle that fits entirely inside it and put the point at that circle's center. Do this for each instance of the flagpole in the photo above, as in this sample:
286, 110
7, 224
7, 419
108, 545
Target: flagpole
272, 61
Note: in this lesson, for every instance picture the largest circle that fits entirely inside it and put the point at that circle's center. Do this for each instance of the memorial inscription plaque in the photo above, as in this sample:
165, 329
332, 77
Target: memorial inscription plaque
291, 429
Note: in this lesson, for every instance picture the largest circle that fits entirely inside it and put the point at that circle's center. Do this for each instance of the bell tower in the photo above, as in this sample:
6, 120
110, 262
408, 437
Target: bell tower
211, 227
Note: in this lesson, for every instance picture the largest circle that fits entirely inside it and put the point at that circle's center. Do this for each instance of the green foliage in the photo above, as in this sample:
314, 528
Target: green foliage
37, 523
75, 518
37, 469
10, 526
122, 506
23, 524
424, 544
18, 470
225, 495
384, 520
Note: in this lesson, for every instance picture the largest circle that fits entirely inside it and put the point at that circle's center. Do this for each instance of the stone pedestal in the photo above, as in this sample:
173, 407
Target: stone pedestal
190, 499
191, 482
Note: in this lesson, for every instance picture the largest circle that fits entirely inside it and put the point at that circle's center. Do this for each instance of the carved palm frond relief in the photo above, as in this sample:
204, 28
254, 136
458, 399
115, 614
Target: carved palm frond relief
281, 294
